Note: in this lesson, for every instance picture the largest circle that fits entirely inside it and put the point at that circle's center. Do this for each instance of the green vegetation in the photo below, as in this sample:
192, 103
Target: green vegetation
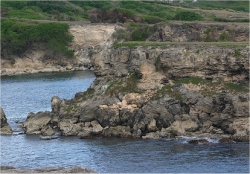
140, 32
236, 87
230, 20
135, 32
237, 53
157, 63
128, 85
87, 94
167, 89
207, 87
134, 44
18, 36
55, 10
188, 16
224, 37
218, 5
142, 18
151, 12
193, 80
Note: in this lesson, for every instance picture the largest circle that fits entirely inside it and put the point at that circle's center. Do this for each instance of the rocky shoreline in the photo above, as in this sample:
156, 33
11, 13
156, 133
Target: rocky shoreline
155, 107
49, 69
73, 169
143, 92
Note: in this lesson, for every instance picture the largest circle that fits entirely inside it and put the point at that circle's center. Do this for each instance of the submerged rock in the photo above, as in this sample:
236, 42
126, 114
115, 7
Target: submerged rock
48, 137
200, 141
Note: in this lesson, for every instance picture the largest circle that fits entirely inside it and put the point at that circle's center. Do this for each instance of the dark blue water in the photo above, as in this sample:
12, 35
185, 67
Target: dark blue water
23, 94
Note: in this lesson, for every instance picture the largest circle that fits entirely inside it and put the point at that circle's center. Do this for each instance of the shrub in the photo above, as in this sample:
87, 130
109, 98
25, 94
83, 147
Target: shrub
128, 85
18, 36
151, 19
141, 32
237, 53
224, 37
188, 16
230, 20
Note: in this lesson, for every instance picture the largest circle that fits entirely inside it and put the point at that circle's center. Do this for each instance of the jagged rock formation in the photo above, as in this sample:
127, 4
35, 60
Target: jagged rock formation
134, 96
203, 31
4, 127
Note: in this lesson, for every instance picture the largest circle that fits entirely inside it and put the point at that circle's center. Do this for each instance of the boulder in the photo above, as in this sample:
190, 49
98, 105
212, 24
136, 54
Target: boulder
36, 122
240, 127
134, 98
96, 127
88, 111
182, 127
226, 140
55, 104
152, 126
69, 127
90, 129
69, 67
240, 104
118, 131
4, 127
241, 138
204, 104
152, 135
107, 115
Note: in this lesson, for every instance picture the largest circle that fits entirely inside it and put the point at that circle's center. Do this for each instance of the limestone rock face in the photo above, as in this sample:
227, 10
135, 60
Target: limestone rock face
156, 107
91, 35
4, 127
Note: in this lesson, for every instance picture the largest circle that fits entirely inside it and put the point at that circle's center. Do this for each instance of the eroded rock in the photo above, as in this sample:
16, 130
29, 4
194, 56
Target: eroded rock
5, 128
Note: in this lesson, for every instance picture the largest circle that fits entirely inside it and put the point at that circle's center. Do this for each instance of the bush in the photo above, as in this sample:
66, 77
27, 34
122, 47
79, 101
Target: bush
18, 36
151, 19
224, 37
230, 20
140, 32
188, 16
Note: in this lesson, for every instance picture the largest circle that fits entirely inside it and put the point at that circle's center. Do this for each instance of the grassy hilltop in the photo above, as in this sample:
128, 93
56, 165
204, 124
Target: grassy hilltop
27, 23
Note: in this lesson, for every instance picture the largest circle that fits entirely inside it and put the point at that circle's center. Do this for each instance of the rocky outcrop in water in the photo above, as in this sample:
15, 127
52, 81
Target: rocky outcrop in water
5, 128
136, 94
73, 169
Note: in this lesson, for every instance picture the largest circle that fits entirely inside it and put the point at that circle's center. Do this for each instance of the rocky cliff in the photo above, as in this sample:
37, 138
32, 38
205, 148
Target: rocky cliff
154, 92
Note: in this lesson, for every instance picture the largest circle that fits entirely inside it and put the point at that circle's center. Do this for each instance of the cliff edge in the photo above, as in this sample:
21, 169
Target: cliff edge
156, 90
